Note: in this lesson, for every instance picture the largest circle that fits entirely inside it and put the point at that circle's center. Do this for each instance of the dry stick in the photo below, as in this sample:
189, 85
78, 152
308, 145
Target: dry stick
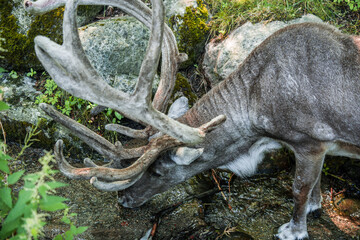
344, 180
219, 187
4, 134
229, 182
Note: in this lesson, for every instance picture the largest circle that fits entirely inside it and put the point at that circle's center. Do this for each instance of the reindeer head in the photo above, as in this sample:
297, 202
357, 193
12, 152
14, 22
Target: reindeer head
68, 65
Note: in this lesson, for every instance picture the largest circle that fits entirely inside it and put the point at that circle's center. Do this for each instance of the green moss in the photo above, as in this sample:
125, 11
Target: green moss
20, 53
1, 43
191, 31
182, 85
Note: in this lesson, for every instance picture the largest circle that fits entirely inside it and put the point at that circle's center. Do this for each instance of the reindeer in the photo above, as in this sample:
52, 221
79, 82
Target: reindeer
300, 89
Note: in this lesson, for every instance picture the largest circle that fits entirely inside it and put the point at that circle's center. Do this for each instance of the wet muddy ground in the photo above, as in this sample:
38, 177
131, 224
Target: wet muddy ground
250, 208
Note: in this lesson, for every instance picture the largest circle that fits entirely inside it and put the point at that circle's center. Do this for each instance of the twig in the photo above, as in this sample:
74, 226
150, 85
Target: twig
344, 180
29, 139
219, 187
218, 184
4, 134
229, 183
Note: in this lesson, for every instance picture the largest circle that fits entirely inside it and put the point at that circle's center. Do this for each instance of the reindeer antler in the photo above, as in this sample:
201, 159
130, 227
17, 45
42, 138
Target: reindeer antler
72, 71
123, 178
68, 62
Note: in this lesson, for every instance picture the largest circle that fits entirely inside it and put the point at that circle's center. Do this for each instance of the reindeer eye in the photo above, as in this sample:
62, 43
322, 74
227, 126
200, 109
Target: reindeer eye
156, 173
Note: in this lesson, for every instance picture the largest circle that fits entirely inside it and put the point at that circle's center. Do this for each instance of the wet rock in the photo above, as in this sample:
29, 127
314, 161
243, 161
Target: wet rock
252, 206
191, 221
223, 58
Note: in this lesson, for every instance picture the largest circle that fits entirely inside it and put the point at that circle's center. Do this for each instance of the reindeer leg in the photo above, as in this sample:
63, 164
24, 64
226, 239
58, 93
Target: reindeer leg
314, 204
309, 161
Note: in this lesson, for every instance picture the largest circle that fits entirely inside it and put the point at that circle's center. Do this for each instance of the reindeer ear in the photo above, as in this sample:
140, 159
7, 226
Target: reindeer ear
185, 155
179, 108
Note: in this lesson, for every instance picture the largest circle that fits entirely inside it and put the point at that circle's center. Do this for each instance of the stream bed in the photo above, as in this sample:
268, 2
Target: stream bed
250, 208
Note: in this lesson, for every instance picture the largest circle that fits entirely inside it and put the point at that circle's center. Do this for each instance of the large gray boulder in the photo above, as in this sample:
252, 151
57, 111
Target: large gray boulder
116, 48
221, 59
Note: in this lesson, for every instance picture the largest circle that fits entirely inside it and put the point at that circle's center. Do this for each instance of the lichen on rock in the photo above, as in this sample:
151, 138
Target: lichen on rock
116, 48
178, 7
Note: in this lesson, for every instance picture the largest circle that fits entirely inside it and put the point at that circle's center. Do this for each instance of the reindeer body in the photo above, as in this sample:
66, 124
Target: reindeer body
300, 88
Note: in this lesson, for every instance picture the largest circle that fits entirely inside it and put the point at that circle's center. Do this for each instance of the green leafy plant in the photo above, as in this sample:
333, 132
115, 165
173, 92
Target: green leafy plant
3, 106
26, 217
29, 138
23, 215
77, 108
61, 99
2, 70
73, 231
13, 74
354, 5
113, 116
31, 73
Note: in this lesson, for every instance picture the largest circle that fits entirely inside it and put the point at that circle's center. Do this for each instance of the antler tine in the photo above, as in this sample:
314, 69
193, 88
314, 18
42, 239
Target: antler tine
142, 93
155, 147
89, 163
139, 134
114, 186
100, 144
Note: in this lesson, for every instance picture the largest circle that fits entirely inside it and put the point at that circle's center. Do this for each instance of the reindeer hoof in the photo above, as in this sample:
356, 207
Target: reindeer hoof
289, 231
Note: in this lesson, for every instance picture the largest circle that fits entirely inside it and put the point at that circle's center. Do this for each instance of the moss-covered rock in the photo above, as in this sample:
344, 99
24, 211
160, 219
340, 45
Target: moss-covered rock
18, 29
191, 30
183, 88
